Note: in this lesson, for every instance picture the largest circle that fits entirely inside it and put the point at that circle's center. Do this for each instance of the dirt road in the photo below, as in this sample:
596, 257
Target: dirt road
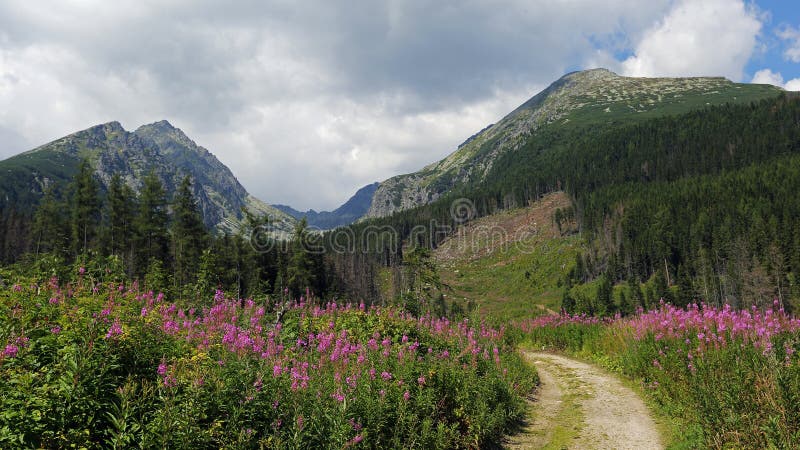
580, 406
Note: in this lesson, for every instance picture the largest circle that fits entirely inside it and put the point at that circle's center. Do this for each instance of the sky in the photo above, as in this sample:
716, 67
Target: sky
308, 101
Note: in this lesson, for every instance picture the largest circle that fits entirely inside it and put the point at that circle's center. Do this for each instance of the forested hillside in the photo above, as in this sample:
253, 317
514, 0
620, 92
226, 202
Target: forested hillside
704, 200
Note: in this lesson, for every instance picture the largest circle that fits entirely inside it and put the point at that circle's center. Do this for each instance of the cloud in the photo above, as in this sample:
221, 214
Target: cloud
792, 36
792, 85
698, 38
767, 76
308, 101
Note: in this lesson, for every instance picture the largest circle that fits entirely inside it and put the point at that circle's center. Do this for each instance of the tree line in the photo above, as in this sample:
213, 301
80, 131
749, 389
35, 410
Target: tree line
160, 241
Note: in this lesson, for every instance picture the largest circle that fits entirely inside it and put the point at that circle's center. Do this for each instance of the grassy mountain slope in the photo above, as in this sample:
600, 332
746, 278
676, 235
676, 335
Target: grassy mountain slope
510, 264
594, 99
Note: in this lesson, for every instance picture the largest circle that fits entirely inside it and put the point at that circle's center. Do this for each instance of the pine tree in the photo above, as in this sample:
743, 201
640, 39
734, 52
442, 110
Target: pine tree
121, 207
636, 295
85, 208
151, 224
189, 235
685, 288
625, 307
49, 227
300, 270
605, 297
660, 289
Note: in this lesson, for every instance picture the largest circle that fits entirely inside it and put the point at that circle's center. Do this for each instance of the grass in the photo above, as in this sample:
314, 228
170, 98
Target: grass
570, 419
723, 379
515, 283
510, 264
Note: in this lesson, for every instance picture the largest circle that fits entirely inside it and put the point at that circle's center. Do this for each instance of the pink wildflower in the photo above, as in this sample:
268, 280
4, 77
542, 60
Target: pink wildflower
10, 351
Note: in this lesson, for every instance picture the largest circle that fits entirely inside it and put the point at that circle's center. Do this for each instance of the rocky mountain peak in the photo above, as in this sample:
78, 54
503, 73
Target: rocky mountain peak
163, 133
158, 148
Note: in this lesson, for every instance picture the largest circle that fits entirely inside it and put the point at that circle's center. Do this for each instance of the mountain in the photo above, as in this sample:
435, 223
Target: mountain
596, 99
158, 147
679, 189
349, 212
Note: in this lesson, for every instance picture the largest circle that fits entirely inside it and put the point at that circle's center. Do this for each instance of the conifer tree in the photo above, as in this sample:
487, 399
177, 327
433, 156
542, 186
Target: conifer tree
635, 294
151, 224
189, 234
119, 235
49, 227
300, 270
605, 297
85, 208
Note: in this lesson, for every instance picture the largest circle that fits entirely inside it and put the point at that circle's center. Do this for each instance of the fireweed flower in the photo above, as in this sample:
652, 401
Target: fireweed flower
10, 351
115, 330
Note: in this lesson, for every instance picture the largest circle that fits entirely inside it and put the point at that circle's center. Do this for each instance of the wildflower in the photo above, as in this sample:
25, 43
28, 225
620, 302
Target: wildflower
300, 422
10, 351
55, 330
170, 381
406, 395
657, 364
115, 330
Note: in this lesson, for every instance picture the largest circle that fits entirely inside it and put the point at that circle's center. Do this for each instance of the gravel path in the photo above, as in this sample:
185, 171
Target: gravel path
580, 406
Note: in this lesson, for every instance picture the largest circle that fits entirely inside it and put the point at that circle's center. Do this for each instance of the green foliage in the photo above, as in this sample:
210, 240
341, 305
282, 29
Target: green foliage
304, 269
121, 214
734, 395
107, 367
50, 227
85, 208
151, 222
189, 235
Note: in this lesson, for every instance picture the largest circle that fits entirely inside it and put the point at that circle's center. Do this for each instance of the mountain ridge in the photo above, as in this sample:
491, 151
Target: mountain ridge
350, 211
596, 97
158, 147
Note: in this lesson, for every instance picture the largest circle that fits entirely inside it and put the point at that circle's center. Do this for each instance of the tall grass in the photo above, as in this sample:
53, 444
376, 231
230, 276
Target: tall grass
730, 379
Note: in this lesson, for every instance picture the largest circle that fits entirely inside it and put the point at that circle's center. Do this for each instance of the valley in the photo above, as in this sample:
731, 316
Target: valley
629, 237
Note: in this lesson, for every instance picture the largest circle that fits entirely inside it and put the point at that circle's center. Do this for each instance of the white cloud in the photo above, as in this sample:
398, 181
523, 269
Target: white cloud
308, 101
698, 38
792, 85
304, 101
792, 36
767, 76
